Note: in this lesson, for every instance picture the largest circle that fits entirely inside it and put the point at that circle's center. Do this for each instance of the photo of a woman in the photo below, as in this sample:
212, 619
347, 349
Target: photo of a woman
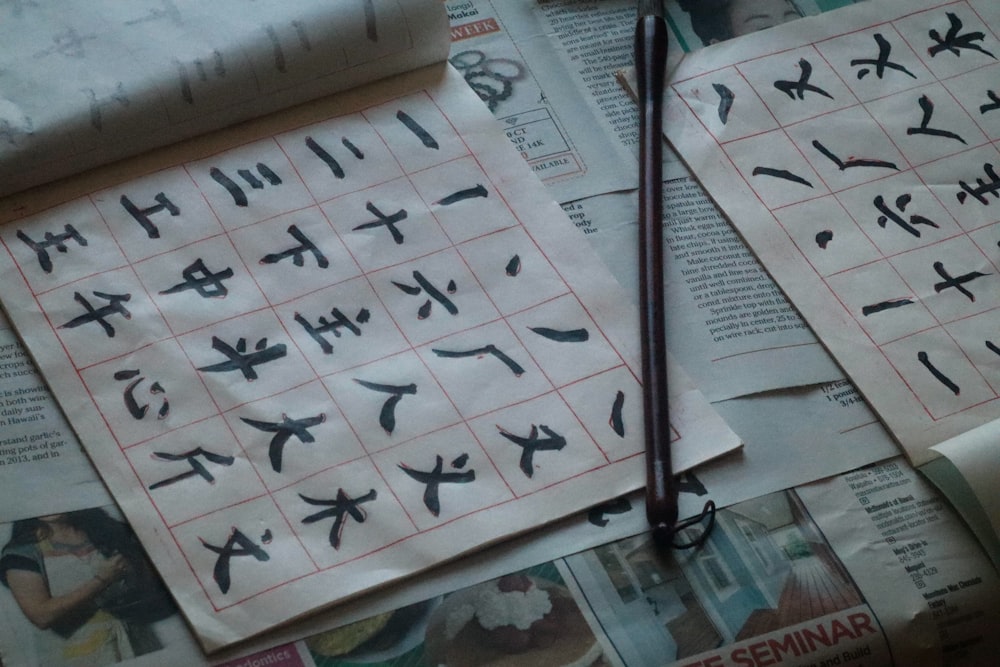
718, 20
83, 581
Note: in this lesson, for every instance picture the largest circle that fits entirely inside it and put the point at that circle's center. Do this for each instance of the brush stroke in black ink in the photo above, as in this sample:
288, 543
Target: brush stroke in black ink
297, 253
340, 321
283, 431
425, 286
339, 508
241, 360
982, 187
798, 89
957, 282
461, 195
883, 306
388, 221
852, 162
142, 215
207, 284
992, 106
417, 129
387, 415
432, 479
98, 315
927, 108
514, 367
131, 403
726, 99
596, 514
234, 189
901, 203
562, 335
881, 62
953, 41
57, 241
616, 421
197, 467
552, 442
238, 544
783, 174
925, 359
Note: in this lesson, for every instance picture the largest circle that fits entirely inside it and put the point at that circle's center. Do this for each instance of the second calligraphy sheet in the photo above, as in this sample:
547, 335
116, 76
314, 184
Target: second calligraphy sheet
856, 154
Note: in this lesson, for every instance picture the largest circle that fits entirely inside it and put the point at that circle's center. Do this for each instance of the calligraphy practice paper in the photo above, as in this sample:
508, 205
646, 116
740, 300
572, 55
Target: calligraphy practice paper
856, 153
336, 347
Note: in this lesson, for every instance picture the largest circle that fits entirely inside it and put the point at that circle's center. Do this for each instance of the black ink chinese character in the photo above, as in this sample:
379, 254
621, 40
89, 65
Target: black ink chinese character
238, 544
983, 188
283, 431
596, 514
331, 162
423, 285
388, 221
927, 106
853, 162
462, 195
197, 468
240, 197
326, 326
435, 477
297, 252
881, 306
925, 359
241, 360
413, 126
880, 63
343, 505
532, 444
957, 282
562, 335
616, 422
726, 99
491, 349
57, 241
687, 482
901, 202
783, 174
387, 416
953, 41
139, 411
114, 307
141, 215
798, 89
993, 105
198, 278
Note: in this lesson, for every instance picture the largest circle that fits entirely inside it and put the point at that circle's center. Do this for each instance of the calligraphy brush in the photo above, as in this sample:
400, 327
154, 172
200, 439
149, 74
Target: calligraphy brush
661, 487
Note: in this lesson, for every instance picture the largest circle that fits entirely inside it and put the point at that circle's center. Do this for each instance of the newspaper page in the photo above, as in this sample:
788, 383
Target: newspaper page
810, 577
508, 56
465, 367
85, 84
926, 578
